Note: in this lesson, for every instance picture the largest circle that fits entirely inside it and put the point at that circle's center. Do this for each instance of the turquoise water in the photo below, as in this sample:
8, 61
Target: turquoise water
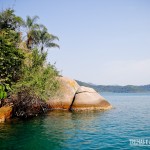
113, 129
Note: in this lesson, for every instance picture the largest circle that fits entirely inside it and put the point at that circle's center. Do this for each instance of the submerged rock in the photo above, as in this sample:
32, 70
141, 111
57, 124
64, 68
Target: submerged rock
88, 98
64, 97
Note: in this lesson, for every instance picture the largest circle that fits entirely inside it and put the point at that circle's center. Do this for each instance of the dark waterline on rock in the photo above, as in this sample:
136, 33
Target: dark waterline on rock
110, 129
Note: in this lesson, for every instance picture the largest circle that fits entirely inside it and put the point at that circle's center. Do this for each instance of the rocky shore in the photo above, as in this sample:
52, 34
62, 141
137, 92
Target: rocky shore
70, 96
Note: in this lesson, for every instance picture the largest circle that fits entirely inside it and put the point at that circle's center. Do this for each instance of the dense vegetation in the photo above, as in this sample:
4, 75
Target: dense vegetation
117, 89
23, 51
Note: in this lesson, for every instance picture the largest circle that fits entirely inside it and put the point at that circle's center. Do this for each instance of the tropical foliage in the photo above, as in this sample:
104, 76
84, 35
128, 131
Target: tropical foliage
3, 93
40, 81
31, 27
11, 57
23, 60
44, 39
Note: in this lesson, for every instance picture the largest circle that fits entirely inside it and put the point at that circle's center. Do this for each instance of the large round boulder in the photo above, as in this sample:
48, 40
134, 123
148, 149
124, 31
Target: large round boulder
88, 98
64, 97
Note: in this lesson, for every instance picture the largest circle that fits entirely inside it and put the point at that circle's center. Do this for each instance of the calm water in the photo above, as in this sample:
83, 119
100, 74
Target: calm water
130, 119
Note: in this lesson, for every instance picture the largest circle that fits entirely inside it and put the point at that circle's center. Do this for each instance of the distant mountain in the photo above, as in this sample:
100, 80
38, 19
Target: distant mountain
117, 89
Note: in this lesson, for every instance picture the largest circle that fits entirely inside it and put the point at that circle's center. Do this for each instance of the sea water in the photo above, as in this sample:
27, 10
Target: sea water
126, 126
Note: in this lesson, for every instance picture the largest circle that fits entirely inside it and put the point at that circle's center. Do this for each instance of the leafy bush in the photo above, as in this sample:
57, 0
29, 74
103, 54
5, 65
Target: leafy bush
40, 80
3, 94
11, 58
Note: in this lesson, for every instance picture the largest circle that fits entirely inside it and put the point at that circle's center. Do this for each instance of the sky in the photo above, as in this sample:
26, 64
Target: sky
105, 42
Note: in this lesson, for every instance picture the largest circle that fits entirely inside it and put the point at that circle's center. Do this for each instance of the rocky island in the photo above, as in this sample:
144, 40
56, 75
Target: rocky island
70, 97
29, 85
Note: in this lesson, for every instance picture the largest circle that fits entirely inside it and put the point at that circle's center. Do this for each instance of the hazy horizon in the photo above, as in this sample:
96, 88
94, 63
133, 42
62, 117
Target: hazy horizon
113, 84
101, 42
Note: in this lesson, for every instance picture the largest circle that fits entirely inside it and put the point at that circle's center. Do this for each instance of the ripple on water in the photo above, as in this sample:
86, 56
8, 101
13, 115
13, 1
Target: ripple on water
82, 130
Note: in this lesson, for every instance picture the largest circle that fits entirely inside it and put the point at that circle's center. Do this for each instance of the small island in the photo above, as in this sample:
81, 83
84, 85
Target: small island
29, 85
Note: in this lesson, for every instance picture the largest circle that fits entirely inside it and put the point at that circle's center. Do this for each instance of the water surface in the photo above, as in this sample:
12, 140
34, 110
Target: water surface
130, 119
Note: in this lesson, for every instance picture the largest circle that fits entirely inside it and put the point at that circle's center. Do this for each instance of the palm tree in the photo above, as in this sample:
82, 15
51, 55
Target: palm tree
45, 39
31, 26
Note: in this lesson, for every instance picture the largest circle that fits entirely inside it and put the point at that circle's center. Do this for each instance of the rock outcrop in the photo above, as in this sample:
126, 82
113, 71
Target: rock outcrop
65, 94
71, 96
88, 98
5, 113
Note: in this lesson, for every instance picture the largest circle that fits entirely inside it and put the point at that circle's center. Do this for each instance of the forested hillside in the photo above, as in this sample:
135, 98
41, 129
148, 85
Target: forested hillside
117, 89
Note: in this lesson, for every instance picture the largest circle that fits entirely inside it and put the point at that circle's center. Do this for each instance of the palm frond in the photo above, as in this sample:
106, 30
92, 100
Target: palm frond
52, 45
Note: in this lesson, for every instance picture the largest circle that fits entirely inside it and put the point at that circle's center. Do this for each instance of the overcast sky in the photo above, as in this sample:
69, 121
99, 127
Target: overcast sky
101, 41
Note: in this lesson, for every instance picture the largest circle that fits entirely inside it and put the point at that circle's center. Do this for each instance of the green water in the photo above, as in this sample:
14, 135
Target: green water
130, 119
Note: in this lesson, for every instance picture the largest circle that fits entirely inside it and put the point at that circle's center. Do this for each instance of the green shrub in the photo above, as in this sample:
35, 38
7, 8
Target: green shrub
40, 80
3, 93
